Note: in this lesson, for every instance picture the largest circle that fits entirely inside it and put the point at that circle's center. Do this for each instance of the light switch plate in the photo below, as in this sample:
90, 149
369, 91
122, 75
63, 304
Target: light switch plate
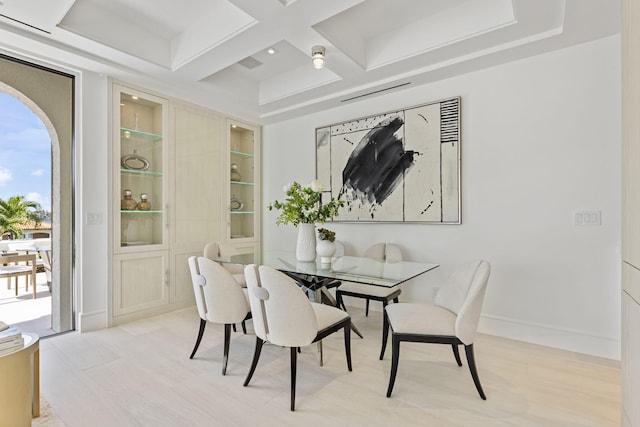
587, 218
94, 218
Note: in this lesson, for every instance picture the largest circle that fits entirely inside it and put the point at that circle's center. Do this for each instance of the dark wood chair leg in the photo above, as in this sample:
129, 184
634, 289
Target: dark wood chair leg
471, 360
347, 344
366, 311
340, 301
294, 359
225, 356
203, 324
396, 300
254, 362
395, 355
244, 327
456, 353
234, 327
385, 333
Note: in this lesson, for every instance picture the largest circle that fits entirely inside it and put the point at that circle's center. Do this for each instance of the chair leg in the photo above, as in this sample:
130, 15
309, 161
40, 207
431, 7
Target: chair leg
234, 327
294, 361
385, 333
227, 338
203, 324
471, 360
396, 300
340, 301
395, 355
347, 344
456, 353
244, 327
254, 362
366, 311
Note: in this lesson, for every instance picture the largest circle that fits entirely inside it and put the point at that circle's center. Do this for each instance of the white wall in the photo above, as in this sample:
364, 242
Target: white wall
540, 140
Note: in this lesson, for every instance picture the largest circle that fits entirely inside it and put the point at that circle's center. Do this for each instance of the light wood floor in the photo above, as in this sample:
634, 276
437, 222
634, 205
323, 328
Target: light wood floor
139, 374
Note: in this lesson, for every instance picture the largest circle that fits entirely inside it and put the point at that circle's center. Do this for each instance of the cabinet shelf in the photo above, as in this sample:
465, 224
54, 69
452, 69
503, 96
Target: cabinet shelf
241, 153
140, 212
136, 172
241, 212
127, 134
241, 182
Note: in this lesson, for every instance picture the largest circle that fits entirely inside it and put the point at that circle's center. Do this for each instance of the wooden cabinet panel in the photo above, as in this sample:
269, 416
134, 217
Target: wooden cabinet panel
141, 281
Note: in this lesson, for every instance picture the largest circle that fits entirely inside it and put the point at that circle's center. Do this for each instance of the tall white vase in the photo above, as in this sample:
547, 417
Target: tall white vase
306, 245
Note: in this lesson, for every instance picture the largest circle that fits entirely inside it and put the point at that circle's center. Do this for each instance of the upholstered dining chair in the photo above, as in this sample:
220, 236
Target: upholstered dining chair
451, 319
282, 315
219, 299
387, 252
213, 250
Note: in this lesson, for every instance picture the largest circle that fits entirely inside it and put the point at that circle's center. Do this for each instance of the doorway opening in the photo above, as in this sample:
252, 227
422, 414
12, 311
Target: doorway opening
36, 196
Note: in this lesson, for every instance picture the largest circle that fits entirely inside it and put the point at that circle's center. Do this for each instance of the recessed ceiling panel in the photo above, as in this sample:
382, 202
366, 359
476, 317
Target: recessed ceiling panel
42, 14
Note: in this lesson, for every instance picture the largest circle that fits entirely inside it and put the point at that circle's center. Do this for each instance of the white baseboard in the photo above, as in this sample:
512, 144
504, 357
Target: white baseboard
566, 339
92, 321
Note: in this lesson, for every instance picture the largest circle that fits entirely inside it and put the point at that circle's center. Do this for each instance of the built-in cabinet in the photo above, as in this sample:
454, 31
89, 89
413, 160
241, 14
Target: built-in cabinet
630, 323
173, 192
243, 185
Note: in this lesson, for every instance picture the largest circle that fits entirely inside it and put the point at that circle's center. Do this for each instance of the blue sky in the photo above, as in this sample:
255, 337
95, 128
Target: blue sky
25, 153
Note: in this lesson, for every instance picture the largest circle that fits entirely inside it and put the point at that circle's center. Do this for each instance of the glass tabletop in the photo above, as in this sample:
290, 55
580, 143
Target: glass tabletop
349, 268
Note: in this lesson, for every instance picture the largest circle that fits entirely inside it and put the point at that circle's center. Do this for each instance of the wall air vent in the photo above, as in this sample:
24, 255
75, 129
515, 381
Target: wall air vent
375, 92
24, 23
250, 62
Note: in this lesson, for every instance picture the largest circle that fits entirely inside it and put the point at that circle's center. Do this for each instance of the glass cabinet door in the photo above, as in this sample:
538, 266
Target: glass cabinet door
141, 151
242, 181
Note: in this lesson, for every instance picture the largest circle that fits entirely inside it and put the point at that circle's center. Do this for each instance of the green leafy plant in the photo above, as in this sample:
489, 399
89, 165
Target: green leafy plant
325, 234
303, 205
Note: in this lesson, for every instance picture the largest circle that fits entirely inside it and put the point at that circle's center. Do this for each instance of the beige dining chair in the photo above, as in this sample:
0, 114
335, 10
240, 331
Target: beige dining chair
284, 316
451, 319
219, 299
387, 252
215, 250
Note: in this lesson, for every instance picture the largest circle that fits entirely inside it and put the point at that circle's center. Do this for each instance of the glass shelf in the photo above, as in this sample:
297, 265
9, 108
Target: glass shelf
241, 153
241, 182
241, 212
139, 212
127, 134
136, 172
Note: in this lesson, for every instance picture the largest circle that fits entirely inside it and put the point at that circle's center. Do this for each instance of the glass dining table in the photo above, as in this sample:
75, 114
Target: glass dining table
316, 278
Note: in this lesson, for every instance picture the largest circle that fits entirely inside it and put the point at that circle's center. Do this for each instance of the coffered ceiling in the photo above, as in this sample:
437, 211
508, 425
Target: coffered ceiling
214, 52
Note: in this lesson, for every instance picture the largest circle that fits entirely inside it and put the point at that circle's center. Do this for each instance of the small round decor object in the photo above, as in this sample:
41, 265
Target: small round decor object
144, 204
134, 162
235, 175
236, 204
127, 203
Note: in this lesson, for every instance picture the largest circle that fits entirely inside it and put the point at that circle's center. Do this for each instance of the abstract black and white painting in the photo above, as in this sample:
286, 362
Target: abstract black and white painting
401, 166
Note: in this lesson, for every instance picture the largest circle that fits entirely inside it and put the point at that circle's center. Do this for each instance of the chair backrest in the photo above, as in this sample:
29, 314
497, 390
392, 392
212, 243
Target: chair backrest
384, 252
339, 249
213, 250
218, 296
463, 294
288, 318
256, 300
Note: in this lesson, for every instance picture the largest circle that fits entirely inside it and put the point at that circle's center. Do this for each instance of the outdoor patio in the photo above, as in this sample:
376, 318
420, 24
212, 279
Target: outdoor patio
24, 312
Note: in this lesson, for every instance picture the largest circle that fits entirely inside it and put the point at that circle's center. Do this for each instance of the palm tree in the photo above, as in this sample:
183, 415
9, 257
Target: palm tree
16, 211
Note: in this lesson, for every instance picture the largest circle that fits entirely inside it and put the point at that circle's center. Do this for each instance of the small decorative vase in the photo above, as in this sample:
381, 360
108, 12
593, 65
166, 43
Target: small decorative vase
235, 174
306, 245
144, 204
326, 249
128, 203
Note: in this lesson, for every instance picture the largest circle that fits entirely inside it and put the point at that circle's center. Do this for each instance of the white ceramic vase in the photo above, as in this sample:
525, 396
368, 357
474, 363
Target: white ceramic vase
306, 245
325, 250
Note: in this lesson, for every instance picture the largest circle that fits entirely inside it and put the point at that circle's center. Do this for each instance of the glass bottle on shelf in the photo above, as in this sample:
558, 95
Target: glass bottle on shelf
128, 203
144, 204
235, 174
